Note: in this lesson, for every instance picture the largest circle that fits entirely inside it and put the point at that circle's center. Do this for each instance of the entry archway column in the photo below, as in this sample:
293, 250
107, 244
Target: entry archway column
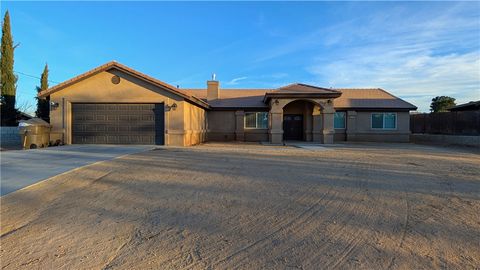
328, 129
317, 127
275, 132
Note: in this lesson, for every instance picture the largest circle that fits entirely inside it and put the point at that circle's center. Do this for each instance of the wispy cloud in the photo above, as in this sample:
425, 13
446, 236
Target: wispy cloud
415, 57
415, 53
236, 80
417, 78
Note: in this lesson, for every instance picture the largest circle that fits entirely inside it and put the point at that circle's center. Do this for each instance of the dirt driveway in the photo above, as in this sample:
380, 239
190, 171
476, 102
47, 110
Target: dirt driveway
220, 206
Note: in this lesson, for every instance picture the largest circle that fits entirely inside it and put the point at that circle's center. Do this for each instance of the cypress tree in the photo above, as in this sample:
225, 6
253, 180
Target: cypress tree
43, 106
8, 80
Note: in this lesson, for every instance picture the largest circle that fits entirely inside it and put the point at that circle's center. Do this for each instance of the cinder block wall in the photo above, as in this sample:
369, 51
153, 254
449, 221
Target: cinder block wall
9, 136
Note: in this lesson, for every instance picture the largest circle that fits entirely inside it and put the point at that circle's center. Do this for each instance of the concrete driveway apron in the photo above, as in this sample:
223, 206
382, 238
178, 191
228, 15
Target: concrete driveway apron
22, 168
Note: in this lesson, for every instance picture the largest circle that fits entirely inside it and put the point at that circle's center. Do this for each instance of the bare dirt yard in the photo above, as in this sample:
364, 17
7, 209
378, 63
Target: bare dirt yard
247, 206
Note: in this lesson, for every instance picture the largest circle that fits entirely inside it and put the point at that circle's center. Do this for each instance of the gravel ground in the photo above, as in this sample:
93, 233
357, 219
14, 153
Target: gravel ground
247, 206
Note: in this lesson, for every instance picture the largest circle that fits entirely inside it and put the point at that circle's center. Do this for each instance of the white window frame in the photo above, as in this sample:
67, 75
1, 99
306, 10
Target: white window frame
256, 122
383, 124
344, 120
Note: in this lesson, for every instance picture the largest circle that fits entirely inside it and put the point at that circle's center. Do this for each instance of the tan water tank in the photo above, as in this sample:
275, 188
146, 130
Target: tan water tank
35, 133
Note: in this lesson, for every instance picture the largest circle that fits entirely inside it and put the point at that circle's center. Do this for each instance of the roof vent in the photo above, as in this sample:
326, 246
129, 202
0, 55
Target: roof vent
214, 77
115, 79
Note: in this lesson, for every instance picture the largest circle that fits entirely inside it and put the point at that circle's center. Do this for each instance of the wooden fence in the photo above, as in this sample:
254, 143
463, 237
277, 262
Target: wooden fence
448, 123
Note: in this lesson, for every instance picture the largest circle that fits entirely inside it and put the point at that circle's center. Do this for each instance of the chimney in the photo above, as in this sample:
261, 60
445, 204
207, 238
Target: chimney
213, 89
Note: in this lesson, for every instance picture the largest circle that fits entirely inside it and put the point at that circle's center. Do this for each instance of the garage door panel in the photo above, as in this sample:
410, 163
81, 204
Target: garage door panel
118, 123
89, 128
110, 107
78, 128
100, 117
78, 117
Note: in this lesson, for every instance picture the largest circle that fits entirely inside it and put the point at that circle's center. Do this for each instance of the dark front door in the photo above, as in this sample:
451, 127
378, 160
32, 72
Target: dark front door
109, 123
293, 127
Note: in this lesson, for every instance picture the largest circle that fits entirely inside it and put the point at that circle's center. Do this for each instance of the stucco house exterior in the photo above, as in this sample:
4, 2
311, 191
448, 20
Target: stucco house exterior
118, 105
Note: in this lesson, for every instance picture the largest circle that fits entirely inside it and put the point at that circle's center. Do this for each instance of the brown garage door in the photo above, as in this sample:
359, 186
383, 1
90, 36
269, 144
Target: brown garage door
96, 123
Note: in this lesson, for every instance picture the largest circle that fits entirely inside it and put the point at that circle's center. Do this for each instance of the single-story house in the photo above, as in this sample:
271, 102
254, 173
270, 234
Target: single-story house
114, 104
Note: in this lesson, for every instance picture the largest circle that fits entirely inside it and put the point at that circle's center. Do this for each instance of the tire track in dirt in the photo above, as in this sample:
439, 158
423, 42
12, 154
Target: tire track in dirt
444, 179
339, 218
212, 251
260, 243
304, 195
359, 237
181, 258
136, 238
117, 252
295, 224
404, 227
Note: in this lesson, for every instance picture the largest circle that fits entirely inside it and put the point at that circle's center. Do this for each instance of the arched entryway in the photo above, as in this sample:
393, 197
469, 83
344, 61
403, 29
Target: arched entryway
314, 118
299, 119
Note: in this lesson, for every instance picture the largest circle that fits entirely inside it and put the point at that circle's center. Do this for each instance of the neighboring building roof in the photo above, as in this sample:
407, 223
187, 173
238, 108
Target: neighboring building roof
361, 98
24, 116
123, 68
470, 106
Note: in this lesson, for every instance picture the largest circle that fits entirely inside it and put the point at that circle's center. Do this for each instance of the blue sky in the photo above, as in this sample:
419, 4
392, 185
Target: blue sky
416, 50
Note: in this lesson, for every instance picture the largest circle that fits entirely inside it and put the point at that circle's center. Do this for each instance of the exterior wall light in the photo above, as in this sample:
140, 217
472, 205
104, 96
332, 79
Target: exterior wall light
276, 102
172, 107
53, 105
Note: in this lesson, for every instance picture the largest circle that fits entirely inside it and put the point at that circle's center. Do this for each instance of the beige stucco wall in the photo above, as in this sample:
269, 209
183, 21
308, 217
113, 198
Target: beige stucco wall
221, 125
339, 135
179, 123
360, 128
195, 124
229, 126
256, 135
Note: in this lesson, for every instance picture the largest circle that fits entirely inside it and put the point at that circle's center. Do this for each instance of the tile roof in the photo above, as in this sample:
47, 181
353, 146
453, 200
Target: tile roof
374, 98
295, 88
234, 98
361, 98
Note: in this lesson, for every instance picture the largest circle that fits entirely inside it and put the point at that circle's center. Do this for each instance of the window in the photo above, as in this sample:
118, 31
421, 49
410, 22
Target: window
339, 120
256, 120
384, 120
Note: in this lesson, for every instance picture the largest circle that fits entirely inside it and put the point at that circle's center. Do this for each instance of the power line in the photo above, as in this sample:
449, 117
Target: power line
32, 76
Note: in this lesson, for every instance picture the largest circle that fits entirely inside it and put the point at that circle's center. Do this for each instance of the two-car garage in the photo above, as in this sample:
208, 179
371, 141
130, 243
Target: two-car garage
114, 104
117, 123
